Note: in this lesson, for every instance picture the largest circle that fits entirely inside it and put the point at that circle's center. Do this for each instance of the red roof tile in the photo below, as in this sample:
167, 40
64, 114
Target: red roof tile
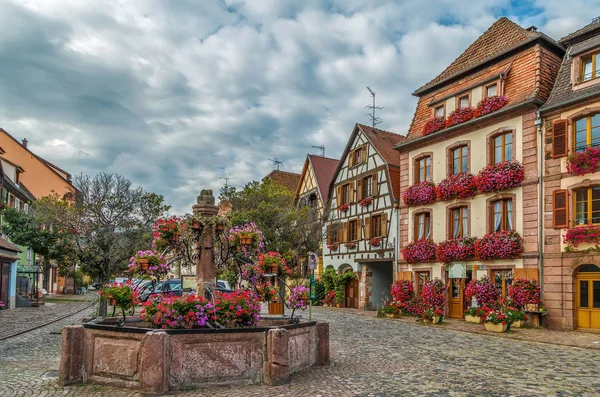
384, 142
289, 180
324, 168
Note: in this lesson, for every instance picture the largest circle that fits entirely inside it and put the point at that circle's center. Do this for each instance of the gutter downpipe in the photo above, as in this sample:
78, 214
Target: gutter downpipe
539, 123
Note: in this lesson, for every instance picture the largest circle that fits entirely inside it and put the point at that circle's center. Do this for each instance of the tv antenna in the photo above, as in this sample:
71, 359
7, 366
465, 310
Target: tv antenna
226, 179
374, 119
276, 162
321, 148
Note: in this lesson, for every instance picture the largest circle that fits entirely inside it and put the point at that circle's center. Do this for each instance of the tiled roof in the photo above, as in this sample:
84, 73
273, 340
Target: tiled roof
384, 142
584, 30
562, 92
324, 168
8, 246
503, 35
289, 180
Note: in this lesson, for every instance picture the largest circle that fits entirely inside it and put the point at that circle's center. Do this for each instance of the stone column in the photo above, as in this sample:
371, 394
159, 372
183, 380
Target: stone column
205, 265
277, 365
154, 363
71, 357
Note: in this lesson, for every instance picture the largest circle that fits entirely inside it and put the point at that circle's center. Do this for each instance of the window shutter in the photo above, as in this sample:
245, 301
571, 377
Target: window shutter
359, 190
375, 185
339, 196
328, 235
350, 158
364, 153
351, 199
367, 221
559, 139
532, 274
560, 201
384, 224
358, 231
344, 232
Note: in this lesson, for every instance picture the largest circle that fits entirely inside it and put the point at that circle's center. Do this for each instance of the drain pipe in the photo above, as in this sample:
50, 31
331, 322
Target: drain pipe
539, 122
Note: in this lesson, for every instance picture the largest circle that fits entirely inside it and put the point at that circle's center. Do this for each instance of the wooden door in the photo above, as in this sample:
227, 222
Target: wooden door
351, 294
4, 269
587, 301
455, 301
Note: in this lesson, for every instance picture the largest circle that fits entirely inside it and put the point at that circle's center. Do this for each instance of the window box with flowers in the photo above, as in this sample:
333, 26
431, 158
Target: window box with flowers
460, 116
458, 186
375, 242
499, 245
456, 250
421, 193
344, 207
434, 125
495, 321
333, 246
420, 251
365, 202
500, 176
350, 245
484, 291
489, 105
584, 162
474, 315
586, 234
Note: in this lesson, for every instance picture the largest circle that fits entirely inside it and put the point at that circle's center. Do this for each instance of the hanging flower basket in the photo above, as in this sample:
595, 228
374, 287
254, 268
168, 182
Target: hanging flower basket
148, 263
501, 176
490, 104
460, 116
581, 163
273, 263
459, 186
143, 263
434, 125
421, 193
419, 251
247, 239
365, 202
196, 225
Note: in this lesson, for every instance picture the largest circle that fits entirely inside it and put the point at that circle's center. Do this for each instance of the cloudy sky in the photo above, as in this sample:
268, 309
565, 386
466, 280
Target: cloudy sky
177, 94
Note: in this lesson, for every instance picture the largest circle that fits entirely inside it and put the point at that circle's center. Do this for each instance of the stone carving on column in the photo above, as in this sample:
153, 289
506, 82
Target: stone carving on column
205, 264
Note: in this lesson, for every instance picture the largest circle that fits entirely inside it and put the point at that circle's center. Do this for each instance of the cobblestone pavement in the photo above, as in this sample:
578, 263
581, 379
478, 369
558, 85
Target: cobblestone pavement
22, 319
370, 357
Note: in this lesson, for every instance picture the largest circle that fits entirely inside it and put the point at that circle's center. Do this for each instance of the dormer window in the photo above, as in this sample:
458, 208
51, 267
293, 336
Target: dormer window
440, 111
589, 66
491, 90
463, 101
357, 156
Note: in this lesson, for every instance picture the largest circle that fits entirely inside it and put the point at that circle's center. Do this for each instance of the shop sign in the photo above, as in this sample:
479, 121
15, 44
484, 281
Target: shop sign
458, 270
188, 282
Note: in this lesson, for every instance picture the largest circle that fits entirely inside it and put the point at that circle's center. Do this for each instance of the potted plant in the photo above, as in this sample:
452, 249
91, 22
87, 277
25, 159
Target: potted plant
427, 316
273, 262
495, 321
339, 297
148, 263
438, 316
246, 239
329, 299
365, 202
474, 315
391, 310
516, 318
121, 295
344, 207
350, 245
375, 242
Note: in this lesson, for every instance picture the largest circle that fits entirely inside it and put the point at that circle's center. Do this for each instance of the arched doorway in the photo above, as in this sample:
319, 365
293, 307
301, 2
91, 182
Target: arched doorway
587, 297
351, 292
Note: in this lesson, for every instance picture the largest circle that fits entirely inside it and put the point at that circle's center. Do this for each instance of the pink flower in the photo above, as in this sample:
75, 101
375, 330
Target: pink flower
460, 116
420, 251
580, 163
499, 245
434, 125
421, 193
459, 186
489, 105
582, 234
499, 177
453, 250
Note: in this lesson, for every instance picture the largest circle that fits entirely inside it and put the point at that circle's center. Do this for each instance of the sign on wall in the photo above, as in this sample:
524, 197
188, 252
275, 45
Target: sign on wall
458, 270
188, 281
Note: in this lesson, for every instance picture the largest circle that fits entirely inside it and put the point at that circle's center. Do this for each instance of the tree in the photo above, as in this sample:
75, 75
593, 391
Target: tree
288, 229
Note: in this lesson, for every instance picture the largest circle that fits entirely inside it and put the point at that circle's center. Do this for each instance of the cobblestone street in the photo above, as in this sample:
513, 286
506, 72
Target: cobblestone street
370, 357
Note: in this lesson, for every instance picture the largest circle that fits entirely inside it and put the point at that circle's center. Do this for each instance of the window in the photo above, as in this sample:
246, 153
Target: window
421, 278
367, 187
376, 223
345, 194
589, 67
587, 206
502, 149
463, 102
502, 216
587, 132
440, 111
502, 279
423, 169
423, 226
459, 222
460, 160
357, 156
335, 233
353, 232
491, 90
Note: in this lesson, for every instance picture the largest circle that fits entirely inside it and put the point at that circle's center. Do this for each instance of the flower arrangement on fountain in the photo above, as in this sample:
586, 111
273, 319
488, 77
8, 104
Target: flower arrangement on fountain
166, 232
265, 291
148, 263
456, 250
524, 292
584, 162
586, 234
421, 193
506, 244
460, 116
501, 176
375, 241
240, 308
247, 239
298, 298
365, 202
484, 291
252, 272
434, 125
489, 105
273, 262
121, 295
459, 186
343, 207
420, 251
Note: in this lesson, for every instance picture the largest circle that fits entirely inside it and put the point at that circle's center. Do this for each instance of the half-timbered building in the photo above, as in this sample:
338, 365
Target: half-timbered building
361, 216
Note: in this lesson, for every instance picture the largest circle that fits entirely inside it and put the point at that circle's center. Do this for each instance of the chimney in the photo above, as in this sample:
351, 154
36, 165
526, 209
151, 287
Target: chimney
24, 142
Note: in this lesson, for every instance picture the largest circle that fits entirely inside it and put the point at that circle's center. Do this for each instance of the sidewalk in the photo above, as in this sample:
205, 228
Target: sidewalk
23, 319
539, 335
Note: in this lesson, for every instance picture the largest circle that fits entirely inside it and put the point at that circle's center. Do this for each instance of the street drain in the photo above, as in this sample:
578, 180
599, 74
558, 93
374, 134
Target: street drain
50, 374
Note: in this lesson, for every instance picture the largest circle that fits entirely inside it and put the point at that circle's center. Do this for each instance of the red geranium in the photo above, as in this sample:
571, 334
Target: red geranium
421, 193
419, 251
433, 294
580, 163
490, 104
589, 234
434, 125
459, 186
460, 116
501, 176
402, 292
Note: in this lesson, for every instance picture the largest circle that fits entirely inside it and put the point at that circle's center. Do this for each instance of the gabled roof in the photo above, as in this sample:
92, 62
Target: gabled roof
503, 36
289, 180
324, 170
8, 246
581, 32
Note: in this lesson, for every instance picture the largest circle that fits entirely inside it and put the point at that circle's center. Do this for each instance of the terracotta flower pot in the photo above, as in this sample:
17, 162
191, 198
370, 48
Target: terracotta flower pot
495, 327
196, 225
144, 263
220, 227
338, 305
112, 302
473, 319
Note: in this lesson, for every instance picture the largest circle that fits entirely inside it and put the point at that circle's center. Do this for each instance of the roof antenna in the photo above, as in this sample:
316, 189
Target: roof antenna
226, 179
276, 162
374, 119
322, 148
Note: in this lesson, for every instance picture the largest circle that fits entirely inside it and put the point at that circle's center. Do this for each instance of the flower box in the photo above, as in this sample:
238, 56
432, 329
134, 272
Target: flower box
333, 247
392, 315
350, 245
437, 319
499, 245
498, 177
517, 324
365, 202
434, 125
472, 319
375, 242
459, 186
581, 163
460, 116
586, 234
490, 104
421, 193
344, 207
420, 251
495, 327
456, 250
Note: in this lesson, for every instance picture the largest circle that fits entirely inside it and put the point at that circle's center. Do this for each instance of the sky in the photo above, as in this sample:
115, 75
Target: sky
176, 95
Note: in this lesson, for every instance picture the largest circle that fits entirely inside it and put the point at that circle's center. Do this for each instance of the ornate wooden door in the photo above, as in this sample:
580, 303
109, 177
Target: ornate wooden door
455, 301
351, 294
587, 300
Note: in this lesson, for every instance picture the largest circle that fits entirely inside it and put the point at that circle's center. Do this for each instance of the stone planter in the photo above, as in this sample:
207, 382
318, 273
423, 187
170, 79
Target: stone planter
437, 319
517, 324
154, 361
495, 327
473, 319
